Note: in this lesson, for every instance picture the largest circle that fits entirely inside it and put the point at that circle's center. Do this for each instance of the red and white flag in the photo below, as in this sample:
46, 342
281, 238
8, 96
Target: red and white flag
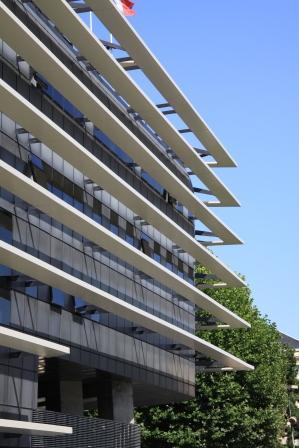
125, 7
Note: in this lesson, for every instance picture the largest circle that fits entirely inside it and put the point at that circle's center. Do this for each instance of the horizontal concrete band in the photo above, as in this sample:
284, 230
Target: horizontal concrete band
28, 190
25, 43
69, 23
50, 275
17, 340
33, 429
32, 119
144, 58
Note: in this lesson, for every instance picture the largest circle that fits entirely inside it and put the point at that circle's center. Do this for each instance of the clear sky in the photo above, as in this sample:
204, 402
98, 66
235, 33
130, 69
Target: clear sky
238, 62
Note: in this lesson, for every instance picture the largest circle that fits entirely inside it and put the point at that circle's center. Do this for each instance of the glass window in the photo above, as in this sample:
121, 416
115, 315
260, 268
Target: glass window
37, 161
71, 109
5, 226
152, 182
129, 233
31, 290
157, 252
56, 191
180, 268
39, 176
97, 206
96, 316
179, 207
4, 270
186, 276
114, 222
114, 217
4, 310
57, 97
44, 293
57, 297
145, 237
157, 257
103, 138
114, 229
5, 235
168, 260
67, 198
97, 211
6, 195
105, 222
78, 205
68, 187
145, 247
57, 179
78, 193
80, 304
130, 239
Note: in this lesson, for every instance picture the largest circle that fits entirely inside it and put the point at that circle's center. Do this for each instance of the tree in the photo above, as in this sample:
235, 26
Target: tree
233, 409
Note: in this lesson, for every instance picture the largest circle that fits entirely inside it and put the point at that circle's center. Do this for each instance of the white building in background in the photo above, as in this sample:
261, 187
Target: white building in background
293, 422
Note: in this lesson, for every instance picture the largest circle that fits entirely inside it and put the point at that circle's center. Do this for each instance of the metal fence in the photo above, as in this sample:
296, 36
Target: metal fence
88, 432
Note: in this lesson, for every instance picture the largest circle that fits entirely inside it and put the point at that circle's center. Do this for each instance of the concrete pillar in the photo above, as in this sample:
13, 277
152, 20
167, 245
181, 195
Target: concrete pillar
115, 399
71, 397
123, 405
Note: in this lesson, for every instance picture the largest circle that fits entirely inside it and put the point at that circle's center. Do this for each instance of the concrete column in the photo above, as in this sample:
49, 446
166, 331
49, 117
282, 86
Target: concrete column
123, 405
71, 397
115, 399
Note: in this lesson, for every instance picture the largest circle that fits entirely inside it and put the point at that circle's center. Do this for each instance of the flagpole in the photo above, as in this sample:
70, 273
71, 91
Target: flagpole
125, 7
90, 21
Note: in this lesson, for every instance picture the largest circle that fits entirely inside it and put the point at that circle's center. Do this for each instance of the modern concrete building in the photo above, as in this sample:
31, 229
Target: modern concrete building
105, 207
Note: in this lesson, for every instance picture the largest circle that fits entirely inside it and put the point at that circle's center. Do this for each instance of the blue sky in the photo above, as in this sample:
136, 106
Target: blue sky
238, 62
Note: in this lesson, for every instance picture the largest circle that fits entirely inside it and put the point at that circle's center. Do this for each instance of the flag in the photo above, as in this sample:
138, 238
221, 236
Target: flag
128, 3
125, 7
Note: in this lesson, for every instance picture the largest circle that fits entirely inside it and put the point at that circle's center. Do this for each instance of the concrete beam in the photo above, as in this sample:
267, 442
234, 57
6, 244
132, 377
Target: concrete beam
50, 275
17, 340
69, 23
32, 119
125, 34
33, 429
34, 194
24, 42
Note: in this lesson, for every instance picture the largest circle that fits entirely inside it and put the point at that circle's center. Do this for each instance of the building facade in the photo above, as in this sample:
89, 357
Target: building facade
105, 207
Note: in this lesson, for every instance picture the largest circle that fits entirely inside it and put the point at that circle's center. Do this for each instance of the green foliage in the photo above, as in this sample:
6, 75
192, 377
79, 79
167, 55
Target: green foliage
230, 410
